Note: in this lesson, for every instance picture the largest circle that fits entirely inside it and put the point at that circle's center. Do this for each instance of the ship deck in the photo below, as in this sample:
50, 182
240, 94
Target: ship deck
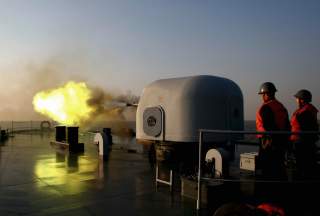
36, 179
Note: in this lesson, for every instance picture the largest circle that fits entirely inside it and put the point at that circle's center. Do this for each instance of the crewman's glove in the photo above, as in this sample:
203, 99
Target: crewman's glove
266, 142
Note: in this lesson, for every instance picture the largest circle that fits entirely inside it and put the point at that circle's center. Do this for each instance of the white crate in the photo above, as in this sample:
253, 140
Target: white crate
248, 161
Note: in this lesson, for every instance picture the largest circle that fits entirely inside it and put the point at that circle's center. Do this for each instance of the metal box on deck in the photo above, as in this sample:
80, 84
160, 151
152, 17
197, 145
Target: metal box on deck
248, 161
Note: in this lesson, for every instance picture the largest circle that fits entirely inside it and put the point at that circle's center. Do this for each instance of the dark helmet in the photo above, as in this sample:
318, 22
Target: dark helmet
304, 95
267, 87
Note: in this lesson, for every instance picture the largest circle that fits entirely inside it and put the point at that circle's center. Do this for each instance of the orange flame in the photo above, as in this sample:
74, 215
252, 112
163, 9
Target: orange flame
67, 105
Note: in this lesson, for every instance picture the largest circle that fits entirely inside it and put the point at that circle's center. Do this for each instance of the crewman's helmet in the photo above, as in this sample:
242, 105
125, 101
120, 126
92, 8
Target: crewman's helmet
304, 95
267, 87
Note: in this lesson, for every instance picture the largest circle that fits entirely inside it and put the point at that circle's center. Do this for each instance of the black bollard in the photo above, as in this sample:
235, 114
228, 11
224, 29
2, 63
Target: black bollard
107, 132
73, 139
61, 133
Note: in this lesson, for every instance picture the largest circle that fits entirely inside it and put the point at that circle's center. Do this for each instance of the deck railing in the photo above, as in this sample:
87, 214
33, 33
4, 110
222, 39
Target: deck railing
202, 132
21, 126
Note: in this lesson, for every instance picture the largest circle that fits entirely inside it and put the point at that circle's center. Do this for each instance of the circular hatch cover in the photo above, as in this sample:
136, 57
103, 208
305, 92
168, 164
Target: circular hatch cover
152, 121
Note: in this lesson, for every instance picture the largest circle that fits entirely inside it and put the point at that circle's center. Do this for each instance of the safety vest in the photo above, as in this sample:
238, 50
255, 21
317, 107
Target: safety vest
280, 114
295, 124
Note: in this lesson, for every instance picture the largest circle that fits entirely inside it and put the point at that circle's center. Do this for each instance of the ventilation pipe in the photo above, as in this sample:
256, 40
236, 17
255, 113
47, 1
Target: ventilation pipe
220, 160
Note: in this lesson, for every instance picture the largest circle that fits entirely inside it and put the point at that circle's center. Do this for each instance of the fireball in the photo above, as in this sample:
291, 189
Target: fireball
67, 105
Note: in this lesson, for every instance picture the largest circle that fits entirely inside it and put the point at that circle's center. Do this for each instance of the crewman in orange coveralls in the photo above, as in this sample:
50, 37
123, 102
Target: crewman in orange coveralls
272, 116
305, 119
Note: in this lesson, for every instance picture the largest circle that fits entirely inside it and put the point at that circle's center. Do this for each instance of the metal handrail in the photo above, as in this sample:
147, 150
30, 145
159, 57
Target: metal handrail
204, 131
21, 126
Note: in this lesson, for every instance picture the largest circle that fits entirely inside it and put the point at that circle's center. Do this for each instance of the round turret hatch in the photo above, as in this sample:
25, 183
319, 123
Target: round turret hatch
152, 121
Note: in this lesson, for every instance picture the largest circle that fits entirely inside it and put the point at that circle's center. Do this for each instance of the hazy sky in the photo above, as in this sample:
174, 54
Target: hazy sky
122, 45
